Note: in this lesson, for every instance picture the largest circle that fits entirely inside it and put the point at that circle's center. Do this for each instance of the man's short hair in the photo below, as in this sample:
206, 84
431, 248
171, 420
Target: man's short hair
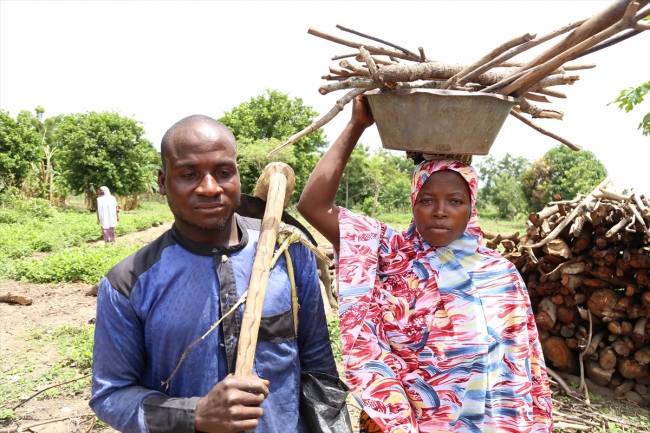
194, 119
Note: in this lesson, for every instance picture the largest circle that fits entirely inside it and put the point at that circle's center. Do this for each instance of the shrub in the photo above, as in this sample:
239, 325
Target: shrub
87, 264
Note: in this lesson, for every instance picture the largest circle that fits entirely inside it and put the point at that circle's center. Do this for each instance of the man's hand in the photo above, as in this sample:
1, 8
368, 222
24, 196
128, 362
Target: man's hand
361, 113
233, 405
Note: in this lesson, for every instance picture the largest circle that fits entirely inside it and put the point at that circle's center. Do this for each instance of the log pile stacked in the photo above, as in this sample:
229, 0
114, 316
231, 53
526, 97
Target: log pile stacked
586, 263
389, 66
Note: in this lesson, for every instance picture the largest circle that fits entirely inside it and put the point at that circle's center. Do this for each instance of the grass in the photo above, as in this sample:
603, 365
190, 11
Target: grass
65, 229
24, 373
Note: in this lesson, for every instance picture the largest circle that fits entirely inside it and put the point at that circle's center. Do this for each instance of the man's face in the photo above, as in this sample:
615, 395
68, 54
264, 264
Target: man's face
442, 208
201, 179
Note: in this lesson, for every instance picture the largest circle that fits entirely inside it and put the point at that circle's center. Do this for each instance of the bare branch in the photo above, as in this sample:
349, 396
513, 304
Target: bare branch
381, 41
541, 130
338, 107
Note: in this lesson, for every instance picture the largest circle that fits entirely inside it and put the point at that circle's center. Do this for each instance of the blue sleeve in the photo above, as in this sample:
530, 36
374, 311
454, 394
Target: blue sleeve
117, 396
313, 337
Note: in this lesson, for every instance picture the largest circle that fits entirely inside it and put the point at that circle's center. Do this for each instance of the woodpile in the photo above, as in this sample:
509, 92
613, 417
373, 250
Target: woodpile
586, 263
389, 66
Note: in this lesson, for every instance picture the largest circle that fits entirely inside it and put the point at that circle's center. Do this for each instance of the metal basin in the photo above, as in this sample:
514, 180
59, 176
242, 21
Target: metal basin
439, 121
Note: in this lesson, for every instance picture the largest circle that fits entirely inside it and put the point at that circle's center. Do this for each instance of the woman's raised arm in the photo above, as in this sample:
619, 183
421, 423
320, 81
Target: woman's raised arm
317, 200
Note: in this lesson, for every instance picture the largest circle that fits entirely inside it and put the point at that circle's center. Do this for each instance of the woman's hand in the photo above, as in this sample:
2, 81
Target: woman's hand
361, 113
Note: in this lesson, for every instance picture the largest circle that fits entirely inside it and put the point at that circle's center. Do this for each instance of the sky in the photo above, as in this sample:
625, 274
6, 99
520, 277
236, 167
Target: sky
159, 61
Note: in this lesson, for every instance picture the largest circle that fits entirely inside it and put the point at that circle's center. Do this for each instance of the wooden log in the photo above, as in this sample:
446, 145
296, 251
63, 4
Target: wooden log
15, 298
631, 369
639, 331
580, 243
575, 299
640, 261
597, 374
559, 248
576, 227
546, 315
537, 217
607, 358
641, 388
626, 386
556, 352
572, 282
595, 341
578, 210
567, 314
642, 356
566, 331
614, 327
601, 300
621, 347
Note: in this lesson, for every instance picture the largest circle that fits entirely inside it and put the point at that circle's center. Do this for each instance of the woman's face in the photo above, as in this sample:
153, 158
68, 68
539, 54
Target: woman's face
442, 208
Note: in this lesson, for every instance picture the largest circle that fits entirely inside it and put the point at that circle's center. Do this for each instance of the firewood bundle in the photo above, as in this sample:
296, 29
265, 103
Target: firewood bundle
586, 263
390, 66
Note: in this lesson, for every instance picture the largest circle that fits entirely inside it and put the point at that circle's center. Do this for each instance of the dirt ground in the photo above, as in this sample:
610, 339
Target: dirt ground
53, 305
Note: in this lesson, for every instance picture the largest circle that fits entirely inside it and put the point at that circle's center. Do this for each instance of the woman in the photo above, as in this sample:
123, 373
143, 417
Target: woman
107, 213
437, 332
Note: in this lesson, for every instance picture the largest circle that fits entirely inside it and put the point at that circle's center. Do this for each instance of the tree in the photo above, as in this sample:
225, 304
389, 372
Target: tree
356, 181
631, 97
105, 149
508, 196
19, 148
252, 158
275, 115
489, 170
561, 171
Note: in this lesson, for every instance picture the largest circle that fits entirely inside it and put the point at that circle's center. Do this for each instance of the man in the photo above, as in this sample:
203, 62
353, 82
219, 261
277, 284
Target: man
155, 303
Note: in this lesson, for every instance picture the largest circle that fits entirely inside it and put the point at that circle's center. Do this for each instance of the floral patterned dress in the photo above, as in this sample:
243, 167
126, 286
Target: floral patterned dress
438, 339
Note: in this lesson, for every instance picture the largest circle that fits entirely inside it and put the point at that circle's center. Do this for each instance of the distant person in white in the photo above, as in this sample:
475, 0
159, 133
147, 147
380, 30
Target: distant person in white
107, 213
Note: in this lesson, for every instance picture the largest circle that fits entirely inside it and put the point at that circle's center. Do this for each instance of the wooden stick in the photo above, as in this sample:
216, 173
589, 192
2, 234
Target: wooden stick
578, 66
330, 77
549, 92
354, 68
609, 42
49, 421
377, 60
556, 231
520, 49
541, 130
535, 74
277, 177
373, 50
344, 56
537, 112
435, 71
381, 41
507, 80
338, 107
352, 82
488, 57
536, 97
423, 58
49, 387
372, 67
606, 18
